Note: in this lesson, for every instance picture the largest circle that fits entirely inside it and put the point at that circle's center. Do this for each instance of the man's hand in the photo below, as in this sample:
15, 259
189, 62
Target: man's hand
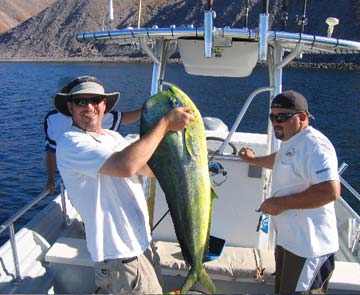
272, 206
179, 118
246, 154
50, 185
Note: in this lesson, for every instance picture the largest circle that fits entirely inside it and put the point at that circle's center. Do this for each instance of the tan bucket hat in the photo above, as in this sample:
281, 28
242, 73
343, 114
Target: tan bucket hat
84, 85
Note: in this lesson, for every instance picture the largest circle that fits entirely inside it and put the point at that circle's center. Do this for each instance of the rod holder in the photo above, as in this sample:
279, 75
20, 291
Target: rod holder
263, 35
208, 21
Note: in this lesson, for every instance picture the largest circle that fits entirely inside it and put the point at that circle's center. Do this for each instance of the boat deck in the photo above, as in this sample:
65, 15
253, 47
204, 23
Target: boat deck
238, 269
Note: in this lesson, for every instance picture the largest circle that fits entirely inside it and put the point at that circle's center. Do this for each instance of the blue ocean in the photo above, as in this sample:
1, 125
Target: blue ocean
27, 90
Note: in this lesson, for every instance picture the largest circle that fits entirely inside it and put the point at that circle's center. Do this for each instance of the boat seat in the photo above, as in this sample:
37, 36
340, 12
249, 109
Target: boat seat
345, 277
69, 251
234, 264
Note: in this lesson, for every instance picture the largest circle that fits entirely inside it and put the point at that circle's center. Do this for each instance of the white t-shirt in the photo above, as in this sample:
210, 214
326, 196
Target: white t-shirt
305, 159
56, 124
114, 209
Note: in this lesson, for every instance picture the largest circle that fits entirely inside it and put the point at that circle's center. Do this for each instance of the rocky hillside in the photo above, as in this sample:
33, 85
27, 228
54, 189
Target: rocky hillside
14, 12
50, 34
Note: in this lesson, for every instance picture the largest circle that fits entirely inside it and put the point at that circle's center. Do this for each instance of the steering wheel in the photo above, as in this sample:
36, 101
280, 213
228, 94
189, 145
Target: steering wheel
212, 146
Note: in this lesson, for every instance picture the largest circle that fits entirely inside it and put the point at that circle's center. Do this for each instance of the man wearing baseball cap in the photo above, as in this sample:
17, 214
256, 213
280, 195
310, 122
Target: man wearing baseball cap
305, 184
99, 169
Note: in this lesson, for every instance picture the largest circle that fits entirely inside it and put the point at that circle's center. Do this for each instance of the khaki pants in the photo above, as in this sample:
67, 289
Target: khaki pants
141, 275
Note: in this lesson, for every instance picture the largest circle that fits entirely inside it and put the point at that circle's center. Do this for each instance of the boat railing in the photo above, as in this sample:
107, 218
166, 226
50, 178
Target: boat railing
346, 184
9, 224
241, 115
354, 223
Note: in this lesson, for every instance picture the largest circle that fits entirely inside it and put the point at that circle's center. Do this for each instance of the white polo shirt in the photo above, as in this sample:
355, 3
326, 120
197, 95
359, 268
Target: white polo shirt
305, 159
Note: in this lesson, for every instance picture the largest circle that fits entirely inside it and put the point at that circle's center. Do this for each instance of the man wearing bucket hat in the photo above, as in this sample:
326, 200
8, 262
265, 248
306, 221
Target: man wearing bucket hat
55, 124
99, 169
305, 184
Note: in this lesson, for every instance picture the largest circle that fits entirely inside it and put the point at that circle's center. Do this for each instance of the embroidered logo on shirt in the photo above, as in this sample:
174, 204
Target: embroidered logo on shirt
322, 170
290, 152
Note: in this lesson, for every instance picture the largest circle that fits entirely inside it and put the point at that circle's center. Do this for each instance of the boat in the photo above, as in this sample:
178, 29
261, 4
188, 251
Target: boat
48, 255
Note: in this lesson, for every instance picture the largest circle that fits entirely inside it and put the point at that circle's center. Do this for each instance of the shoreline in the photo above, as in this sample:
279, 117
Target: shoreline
125, 59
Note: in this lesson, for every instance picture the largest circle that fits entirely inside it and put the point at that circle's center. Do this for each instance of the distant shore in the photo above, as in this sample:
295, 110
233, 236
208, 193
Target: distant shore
125, 59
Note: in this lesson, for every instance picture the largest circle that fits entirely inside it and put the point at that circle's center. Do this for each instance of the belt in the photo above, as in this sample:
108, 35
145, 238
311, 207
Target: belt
125, 260
128, 260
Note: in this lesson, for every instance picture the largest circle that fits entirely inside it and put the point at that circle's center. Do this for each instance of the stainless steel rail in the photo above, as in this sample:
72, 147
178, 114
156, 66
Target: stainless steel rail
341, 169
9, 224
241, 115
312, 43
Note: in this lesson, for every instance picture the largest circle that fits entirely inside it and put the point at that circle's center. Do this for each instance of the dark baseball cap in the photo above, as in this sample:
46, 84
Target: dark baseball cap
291, 100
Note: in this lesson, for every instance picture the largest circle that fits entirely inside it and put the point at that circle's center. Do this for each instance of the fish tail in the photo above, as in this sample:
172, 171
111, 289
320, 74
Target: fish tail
206, 281
194, 276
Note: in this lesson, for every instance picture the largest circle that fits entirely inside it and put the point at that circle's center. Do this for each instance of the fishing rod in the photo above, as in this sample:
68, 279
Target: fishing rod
266, 6
161, 219
302, 20
247, 13
285, 15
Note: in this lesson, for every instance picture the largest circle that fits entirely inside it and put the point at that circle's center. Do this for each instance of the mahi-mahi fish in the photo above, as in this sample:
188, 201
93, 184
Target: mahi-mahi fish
180, 165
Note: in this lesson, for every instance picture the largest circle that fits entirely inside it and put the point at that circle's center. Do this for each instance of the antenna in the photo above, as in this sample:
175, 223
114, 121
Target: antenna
111, 13
139, 15
332, 22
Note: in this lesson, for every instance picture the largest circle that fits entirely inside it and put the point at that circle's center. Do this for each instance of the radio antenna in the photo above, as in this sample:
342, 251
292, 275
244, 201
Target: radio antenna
139, 15
111, 13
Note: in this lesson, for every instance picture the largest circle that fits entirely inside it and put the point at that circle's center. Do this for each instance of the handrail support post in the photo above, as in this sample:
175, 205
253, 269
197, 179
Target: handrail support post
63, 203
18, 277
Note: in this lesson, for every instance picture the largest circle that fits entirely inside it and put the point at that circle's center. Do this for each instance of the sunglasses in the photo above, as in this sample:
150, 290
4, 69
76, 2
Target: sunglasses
81, 102
282, 117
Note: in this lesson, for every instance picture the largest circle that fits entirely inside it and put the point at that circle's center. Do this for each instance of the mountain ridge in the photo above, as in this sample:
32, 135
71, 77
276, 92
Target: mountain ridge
14, 12
51, 33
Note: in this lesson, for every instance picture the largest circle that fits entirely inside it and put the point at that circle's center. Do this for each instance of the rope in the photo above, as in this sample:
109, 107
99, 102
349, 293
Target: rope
259, 271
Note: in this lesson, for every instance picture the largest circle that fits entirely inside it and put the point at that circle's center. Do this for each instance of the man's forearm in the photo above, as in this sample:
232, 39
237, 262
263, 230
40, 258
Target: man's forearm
51, 165
131, 116
128, 161
315, 196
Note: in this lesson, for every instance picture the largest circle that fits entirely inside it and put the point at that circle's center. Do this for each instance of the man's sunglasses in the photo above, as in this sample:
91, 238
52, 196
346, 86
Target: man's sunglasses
81, 102
282, 117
